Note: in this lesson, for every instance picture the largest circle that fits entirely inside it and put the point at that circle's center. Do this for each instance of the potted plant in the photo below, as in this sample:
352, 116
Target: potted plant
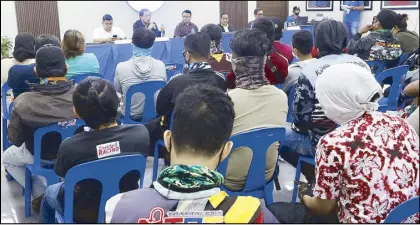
6, 46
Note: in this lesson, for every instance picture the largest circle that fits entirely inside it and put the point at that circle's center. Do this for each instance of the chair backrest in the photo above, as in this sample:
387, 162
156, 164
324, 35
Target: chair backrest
108, 172
376, 66
172, 69
403, 211
148, 88
258, 140
65, 128
402, 59
6, 111
77, 79
398, 76
290, 97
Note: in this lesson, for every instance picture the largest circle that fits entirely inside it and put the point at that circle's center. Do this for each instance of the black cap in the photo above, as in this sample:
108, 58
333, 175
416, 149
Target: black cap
387, 18
50, 62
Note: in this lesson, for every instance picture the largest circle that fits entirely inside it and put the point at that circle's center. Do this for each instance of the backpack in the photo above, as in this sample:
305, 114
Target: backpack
277, 74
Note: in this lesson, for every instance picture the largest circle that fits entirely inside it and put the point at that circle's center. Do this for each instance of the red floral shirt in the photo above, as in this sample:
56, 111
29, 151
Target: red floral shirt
370, 165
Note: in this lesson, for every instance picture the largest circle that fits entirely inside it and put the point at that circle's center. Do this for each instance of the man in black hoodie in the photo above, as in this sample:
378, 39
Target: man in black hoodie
196, 53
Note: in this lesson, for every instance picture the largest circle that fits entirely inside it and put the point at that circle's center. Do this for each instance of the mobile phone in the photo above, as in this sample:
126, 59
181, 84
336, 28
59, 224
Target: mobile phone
373, 20
114, 36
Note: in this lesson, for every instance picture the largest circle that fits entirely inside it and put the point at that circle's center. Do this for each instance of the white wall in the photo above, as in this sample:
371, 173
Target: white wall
366, 16
251, 6
8, 19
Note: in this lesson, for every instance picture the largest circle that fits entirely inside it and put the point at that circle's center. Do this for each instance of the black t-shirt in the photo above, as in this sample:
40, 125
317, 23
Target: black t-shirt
93, 145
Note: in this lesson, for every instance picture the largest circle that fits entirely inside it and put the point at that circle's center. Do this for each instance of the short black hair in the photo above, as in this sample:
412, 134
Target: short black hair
265, 25
187, 11
296, 7
45, 39
303, 41
250, 42
96, 102
213, 31
107, 17
387, 18
142, 11
221, 14
257, 10
402, 21
203, 120
143, 37
198, 44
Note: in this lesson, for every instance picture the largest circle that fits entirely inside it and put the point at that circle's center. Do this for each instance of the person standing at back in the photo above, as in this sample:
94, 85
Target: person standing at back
142, 67
49, 102
107, 32
257, 103
224, 23
95, 101
145, 21
186, 26
258, 13
79, 63
199, 71
292, 18
219, 61
352, 16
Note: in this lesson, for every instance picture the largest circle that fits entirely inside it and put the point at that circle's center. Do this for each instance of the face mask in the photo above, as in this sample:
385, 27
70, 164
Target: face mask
297, 13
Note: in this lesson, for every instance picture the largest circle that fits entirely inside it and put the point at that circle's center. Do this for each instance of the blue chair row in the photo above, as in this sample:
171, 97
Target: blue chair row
5, 116
66, 129
108, 172
398, 77
77, 79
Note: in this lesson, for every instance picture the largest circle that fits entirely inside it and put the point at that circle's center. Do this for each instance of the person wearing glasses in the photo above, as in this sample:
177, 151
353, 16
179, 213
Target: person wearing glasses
186, 26
145, 21
258, 13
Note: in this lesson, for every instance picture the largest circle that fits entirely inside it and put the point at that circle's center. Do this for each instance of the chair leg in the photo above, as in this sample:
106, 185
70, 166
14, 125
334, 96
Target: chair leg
28, 190
297, 179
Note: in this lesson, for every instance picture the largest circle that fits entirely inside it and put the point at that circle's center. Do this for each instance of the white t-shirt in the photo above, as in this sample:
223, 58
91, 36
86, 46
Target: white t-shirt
226, 28
100, 32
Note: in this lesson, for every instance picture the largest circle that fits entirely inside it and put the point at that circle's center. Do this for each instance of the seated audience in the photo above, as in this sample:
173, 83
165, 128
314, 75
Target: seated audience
224, 23
302, 46
145, 21
197, 143
258, 13
142, 67
275, 68
23, 54
49, 102
370, 164
196, 54
256, 102
409, 39
21, 76
379, 44
95, 101
310, 122
79, 62
283, 49
107, 32
186, 26
219, 61
412, 90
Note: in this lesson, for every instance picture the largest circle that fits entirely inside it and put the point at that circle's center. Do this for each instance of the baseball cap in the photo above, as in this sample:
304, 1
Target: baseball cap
50, 62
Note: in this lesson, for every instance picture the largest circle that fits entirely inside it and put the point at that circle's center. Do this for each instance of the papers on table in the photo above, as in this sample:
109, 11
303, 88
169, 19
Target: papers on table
126, 41
293, 28
158, 39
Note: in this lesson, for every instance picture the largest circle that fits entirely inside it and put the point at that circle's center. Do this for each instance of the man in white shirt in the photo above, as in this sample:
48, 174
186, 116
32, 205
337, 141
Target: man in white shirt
224, 23
107, 32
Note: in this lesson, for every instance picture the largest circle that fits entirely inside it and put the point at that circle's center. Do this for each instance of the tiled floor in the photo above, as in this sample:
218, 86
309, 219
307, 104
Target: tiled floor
12, 204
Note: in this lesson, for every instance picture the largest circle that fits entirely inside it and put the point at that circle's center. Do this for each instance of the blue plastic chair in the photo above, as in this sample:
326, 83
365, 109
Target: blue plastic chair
158, 143
379, 64
5, 116
66, 129
402, 59
149, 89
297, 175
290, 103
108, 172
398, 76
173, 69
403, 211
77, 79
258, 140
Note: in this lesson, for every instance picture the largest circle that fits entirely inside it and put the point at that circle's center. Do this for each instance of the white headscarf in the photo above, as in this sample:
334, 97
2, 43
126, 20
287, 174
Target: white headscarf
345, 92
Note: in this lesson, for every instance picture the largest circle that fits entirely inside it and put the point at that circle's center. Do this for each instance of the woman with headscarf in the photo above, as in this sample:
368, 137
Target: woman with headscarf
256, 102
370, 164
23, 54
310, 122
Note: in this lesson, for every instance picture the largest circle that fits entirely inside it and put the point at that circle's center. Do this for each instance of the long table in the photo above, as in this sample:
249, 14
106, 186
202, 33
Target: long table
109, 55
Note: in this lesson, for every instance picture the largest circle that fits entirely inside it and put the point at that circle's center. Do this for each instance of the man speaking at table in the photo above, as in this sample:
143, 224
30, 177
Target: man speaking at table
145, 21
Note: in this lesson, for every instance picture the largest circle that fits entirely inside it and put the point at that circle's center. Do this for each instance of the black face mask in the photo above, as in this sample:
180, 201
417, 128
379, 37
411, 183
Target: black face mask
297, 13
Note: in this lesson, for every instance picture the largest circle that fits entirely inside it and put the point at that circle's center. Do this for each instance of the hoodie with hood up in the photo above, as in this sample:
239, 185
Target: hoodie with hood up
135, 71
